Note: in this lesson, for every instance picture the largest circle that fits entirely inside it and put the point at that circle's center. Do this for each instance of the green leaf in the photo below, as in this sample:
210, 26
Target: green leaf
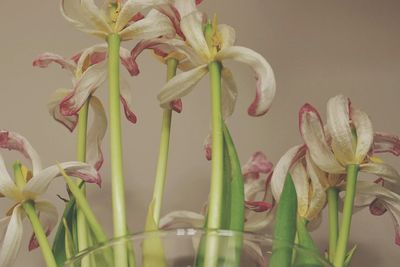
152, 246
69, 243
285, 226
305, 255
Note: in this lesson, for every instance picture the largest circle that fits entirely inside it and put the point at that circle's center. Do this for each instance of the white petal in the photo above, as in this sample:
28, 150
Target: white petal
87, 54
95, 15
192, 27
365, 133
126, 100
132, 7
96, 134
300, 180
39, 182
181, 85
386, 143
185, 7
7, 185
179, 218
45, 59
53, 106
48, 216
12, 239
15, 141
259, 221
338, 121
313, 134
90, 80
229, 92
153, 25
265, 79
381, 169
316, 173
282, 169
3, 227
228, 35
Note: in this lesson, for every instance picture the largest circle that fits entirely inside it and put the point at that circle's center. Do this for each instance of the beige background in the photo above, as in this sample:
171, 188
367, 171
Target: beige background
317, 48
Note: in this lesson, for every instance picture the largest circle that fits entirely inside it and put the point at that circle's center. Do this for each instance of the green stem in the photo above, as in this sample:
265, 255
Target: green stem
81, 156
39, 233
351, 181
333, 196
162, 163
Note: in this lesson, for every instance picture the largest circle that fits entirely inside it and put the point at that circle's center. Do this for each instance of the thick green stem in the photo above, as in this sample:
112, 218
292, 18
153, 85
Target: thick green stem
39, 232
333, 196
341, 248
162, 163
81, 156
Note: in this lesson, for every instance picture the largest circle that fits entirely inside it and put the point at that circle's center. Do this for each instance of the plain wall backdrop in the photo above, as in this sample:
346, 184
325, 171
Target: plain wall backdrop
317, 49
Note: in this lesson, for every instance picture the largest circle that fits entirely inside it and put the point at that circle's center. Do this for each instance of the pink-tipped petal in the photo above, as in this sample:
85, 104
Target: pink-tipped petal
207, 146
96, 134
14, 141
173, 14
126, 100
45, 59
265, 79
258, 206
127, 61
383, 170
176, 105
257, 164
386, 143
53, 106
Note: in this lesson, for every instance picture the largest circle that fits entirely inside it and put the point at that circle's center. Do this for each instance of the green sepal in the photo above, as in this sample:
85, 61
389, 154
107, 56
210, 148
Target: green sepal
285, 226
349, 256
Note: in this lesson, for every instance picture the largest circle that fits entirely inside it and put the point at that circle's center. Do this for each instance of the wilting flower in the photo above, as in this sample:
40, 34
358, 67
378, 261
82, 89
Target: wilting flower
259, 203
198, 54
347, 139
122, 17
35, 184
311, 196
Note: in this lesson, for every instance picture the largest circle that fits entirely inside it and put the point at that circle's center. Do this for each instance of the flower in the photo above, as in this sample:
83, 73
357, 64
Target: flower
198, 54
347, 139
35, 184
311, 196
122, 17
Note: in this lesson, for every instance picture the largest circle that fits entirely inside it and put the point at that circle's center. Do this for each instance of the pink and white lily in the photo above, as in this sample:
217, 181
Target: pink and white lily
347, 139
198, 54
122, 17
11, 226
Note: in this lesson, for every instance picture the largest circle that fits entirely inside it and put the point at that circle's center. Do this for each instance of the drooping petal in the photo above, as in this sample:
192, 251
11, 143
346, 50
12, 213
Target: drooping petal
386, 143
54, 109
192, 28
173, 14
207, 146
91, 56
259, 206
316, 173
257, 164
90, 80
153, 25
12, 238
45, 59
229, 92
96, 134
48, 216
300, 180
74, 13
126, 100
265, 79
14, 141
181, 85
365, 133
338, 121
39, 182
382, 170
7, 185
128, 62
259, 220
179, 218
282, 169
228, 35
313, 134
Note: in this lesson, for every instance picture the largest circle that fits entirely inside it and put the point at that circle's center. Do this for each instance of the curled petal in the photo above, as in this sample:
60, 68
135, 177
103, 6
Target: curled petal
381, 169
96, 134
181, 85
90, 80
229, 92
258, 163
207, 146
7, 185
126, 100
265, 85
300, 180
12, 239
313, 134
128, 62
48, 216
317, 196
45, 59
54, 109
192, 28
173, 14
176, 105
228, 35
14, 141
153, 25
365, 133
338, 121
259, 206
38, 184
178, 218
91, 56
386, 143
377, 207
259, 221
